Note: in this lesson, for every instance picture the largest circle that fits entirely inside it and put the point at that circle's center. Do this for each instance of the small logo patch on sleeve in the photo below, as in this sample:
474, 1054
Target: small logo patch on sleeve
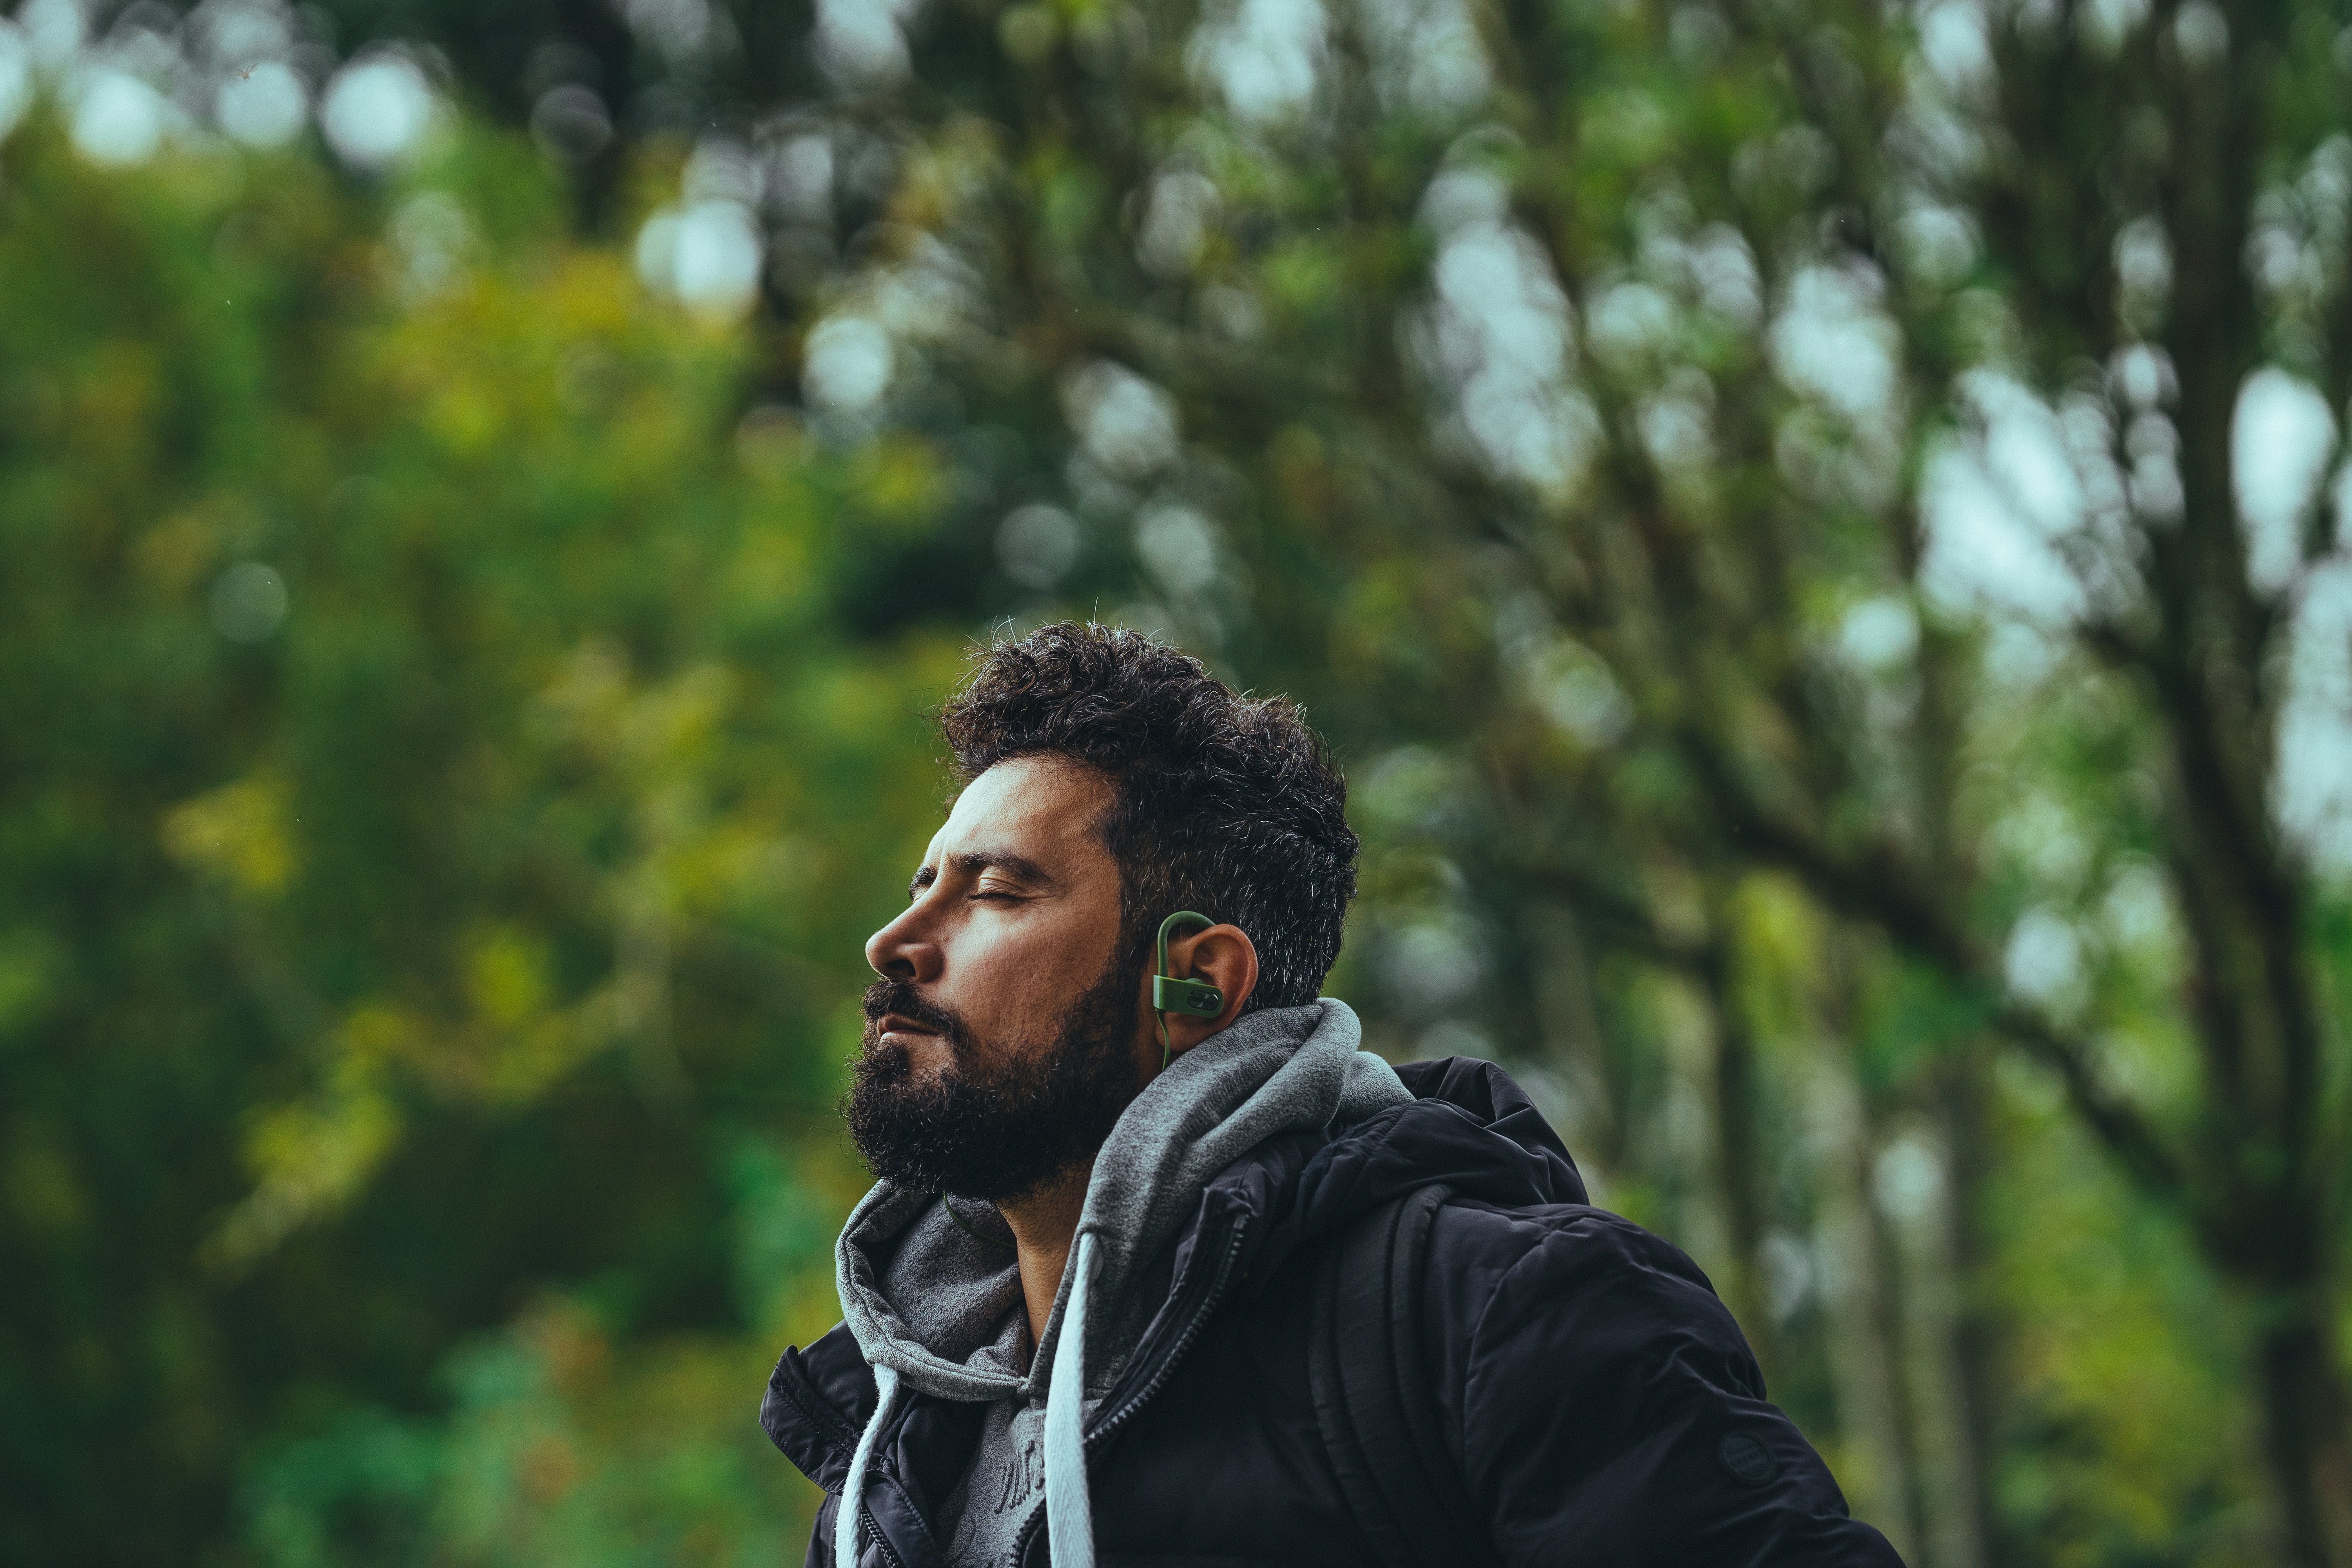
1747, 1458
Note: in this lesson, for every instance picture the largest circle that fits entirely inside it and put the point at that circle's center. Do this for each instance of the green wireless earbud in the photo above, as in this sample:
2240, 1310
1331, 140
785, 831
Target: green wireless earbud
1170, 995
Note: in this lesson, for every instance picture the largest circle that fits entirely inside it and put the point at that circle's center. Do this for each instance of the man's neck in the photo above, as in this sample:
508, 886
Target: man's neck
1044, 1224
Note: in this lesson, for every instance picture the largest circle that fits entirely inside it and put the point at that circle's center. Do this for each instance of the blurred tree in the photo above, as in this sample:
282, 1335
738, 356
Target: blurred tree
441, 810
1812, 523
1881, 450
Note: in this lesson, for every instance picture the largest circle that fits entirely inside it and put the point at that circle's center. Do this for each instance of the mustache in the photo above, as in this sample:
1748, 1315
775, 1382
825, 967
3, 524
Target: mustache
900, 996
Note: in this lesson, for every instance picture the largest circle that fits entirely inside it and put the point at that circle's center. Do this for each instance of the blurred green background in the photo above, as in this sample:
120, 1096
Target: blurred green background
1813, 526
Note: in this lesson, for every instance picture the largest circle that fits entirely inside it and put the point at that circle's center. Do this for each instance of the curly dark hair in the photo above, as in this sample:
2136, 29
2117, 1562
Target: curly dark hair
1225, 804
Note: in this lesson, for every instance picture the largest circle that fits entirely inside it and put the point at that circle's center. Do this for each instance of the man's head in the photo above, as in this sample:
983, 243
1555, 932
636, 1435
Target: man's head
1108, 781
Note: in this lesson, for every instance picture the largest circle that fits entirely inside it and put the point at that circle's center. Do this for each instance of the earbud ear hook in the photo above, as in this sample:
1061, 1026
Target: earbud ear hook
1196, 998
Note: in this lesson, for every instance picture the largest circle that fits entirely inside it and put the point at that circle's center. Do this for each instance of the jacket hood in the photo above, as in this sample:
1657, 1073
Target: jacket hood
931, 1294
929, 1301
1601, 1399
1465, 1123
1467, 1126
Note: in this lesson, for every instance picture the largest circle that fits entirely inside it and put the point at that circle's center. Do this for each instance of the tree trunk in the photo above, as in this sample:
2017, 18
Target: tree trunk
1974, 1330
1741, 1181
1889, 1310
2303, 1437
1562, 988
1865, 1295
2261, 1027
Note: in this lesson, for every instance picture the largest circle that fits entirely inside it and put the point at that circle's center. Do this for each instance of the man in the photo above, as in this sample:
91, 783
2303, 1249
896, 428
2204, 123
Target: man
1081, 1298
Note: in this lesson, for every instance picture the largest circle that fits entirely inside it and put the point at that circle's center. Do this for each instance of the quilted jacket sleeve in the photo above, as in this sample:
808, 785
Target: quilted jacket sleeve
820, 1546
1607, 1408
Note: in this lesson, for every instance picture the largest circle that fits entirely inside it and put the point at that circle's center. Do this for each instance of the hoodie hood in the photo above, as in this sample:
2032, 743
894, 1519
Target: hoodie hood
1468, 1126
1263, 1136
1581, 1370
930, 1302
937, 1303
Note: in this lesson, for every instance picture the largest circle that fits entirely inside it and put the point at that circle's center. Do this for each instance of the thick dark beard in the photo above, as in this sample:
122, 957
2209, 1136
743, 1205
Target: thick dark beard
988, 1126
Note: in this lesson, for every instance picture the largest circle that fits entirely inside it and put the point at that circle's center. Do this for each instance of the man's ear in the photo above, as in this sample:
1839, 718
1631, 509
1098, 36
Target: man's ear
1225, 957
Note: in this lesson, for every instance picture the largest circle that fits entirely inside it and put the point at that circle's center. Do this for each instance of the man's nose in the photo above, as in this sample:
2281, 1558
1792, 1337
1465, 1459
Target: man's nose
904, 949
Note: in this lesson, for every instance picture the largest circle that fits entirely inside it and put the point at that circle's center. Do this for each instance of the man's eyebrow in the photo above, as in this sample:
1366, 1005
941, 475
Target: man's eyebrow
1020, 867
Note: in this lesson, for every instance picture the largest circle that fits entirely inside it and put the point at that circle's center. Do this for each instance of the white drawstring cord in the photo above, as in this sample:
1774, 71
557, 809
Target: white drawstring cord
853, 1487
1069, 1512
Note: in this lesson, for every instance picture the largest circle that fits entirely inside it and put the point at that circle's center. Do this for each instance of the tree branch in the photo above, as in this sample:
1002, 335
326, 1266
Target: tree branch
1880, 890
2122, 1126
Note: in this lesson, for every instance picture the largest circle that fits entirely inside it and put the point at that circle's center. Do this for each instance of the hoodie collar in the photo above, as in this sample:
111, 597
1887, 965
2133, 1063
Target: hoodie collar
936, 1304
1467, 1126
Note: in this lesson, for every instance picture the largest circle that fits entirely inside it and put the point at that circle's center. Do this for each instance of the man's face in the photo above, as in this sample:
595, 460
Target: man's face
1003, 1040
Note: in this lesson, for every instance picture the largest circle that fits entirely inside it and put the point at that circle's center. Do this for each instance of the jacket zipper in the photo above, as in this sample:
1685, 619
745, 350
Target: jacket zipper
869, 1533
1175, 1355
1158, 1379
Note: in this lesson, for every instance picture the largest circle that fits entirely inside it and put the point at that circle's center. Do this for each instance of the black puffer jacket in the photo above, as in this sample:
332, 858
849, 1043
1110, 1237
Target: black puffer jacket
1587, 1377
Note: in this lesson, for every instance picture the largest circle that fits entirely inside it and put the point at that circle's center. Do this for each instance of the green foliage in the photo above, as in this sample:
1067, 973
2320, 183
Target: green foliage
441, 815
460, 715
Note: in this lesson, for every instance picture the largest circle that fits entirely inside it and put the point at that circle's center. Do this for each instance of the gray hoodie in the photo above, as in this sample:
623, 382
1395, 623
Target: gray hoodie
936, 1309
